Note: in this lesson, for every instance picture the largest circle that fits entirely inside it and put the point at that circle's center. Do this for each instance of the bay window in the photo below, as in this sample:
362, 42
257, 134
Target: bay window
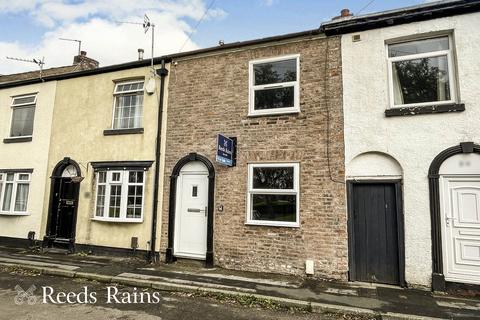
274, 85
421, 72
14, 190
273, 194
120, 195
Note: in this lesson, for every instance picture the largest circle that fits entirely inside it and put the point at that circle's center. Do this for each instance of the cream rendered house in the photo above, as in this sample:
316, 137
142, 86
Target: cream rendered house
102, 160
25, 125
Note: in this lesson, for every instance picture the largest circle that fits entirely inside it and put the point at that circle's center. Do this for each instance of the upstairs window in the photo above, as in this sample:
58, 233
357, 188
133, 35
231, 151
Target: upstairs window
274, 85
14, 190
128, 105
120, 195
273, 194
421, 72
23, 113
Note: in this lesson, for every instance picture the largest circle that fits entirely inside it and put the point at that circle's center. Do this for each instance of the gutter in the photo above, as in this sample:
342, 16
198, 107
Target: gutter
390, 18
162, 72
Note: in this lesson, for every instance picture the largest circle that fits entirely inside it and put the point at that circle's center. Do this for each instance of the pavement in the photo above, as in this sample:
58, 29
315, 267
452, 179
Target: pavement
171, 305
362, 299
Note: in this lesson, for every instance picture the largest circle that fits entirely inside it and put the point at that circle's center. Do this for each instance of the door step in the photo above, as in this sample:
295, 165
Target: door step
59, 245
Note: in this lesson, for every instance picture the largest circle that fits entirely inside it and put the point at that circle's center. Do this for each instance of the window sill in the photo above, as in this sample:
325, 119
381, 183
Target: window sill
273, 113
117, 220
17, 140
416, 110
273, 224
114, 132
14, 214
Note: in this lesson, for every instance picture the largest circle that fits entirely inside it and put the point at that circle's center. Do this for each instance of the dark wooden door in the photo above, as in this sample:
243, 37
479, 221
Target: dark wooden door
65, 201
375, 233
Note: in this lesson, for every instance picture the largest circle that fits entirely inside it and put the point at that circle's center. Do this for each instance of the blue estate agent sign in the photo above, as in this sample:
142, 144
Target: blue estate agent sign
225, 150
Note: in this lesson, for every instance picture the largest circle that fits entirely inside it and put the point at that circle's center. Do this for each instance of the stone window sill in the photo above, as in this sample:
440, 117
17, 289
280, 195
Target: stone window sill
17, 140
416, 110
113, 132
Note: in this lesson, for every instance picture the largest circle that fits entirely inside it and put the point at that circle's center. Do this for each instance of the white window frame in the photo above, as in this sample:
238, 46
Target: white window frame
252, 87
124, 183
16, 181
13, 106
432, 54
294, 191
117, 94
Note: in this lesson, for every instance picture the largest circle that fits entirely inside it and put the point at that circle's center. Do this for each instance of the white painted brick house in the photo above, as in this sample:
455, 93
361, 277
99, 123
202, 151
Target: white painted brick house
412, 143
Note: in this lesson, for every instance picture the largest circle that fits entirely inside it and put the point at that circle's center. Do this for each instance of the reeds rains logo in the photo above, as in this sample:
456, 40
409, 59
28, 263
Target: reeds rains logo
25, 296
84, 296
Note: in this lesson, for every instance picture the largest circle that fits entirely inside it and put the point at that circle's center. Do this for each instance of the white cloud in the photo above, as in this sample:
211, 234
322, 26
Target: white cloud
94, 22
268, 3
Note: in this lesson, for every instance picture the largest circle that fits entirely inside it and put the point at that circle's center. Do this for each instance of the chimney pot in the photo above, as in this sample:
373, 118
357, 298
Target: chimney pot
345, 13
140, 54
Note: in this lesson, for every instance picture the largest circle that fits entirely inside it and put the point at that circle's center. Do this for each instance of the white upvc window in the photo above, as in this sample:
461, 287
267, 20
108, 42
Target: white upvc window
23, 114
273, 194
274, 85
421, 72
14, 191
128, 105
120, 196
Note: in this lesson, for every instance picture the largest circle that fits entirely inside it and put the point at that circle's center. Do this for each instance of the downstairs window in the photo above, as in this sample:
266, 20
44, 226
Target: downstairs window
273, 194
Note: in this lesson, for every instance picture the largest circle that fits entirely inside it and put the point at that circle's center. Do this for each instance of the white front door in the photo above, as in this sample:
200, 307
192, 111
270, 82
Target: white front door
191, 215
461, 228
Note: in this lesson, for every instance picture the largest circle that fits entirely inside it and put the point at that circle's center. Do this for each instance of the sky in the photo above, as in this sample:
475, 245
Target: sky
30, 29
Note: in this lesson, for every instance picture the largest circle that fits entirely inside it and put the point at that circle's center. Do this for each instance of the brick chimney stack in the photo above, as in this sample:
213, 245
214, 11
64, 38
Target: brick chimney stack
84, 62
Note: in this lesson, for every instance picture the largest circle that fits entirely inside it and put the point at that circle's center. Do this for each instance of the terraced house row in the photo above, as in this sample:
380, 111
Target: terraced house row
353, 152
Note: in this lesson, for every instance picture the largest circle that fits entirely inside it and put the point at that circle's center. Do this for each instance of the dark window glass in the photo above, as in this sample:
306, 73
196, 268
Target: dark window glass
421, 80
23, 100
274, 98
418, 46
275, 72
100, 201
22, 121
271, 207
194, 191
115, 199
273, 177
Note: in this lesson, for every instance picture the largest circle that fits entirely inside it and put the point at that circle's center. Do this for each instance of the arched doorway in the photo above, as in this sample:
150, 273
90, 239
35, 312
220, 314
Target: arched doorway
454, 181
375, 224
62, 211
190, 215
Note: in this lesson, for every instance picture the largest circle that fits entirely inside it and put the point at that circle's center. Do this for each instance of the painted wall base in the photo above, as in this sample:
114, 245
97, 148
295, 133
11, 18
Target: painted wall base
18, 242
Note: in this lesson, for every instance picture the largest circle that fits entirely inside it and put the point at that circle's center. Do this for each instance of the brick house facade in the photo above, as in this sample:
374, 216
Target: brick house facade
208, 94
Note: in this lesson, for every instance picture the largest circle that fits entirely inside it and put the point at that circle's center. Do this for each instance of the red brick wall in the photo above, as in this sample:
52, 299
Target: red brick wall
209, 95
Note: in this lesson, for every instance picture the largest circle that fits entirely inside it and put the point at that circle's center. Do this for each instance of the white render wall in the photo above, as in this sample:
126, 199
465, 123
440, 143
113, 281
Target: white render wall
27, 155
413, 141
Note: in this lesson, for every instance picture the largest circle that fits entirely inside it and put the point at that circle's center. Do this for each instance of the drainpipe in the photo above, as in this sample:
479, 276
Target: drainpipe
162, 72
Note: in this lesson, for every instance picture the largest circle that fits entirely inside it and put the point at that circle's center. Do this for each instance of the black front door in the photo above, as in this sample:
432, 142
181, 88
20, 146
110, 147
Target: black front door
375, 233
64, 204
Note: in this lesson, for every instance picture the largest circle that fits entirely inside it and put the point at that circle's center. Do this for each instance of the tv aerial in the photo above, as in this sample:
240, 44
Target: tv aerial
146, 24
74, 40
39, 62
